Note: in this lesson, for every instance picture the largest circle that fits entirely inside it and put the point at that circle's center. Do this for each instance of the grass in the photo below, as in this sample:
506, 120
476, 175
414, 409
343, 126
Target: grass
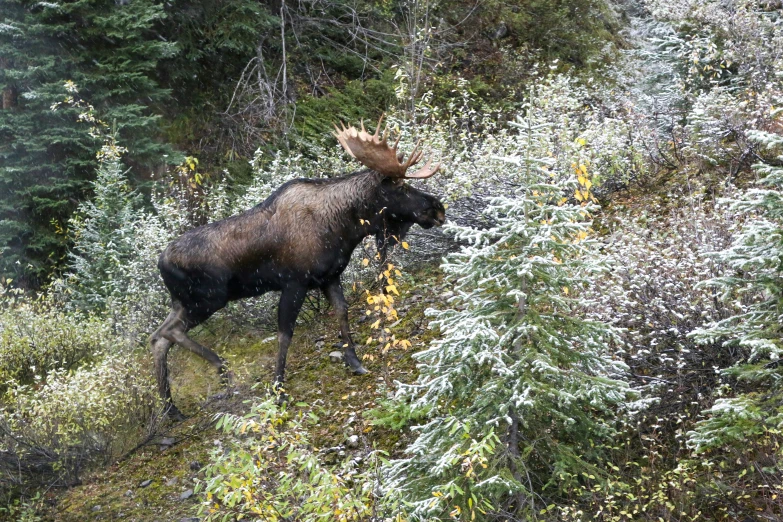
338, 397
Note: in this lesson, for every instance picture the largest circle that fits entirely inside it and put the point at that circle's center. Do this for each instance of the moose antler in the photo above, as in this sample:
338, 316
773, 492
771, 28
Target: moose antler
373, 151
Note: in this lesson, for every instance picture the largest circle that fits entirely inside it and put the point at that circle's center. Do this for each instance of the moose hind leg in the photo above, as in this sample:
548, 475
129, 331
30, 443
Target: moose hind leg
176, 332
334, 292
180, 337
160, 350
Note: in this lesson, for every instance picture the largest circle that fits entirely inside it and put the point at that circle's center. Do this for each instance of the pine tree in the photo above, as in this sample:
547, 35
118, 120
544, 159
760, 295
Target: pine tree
103, 231
519, 390
110, 50
753, 281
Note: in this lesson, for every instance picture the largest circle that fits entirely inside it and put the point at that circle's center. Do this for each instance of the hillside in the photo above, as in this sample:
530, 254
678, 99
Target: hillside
592, 334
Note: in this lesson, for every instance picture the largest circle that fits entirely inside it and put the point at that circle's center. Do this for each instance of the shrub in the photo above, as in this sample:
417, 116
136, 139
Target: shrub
36, 338
52, 429
271, 471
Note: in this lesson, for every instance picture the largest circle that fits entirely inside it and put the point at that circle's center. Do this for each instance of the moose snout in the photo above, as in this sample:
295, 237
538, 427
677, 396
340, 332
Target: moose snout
440, 218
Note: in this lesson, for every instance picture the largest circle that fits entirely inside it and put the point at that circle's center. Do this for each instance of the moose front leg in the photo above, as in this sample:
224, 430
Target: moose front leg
291, 301
334, 292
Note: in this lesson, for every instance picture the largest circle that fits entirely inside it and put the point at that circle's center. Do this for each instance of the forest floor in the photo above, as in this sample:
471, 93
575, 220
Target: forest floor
155, 482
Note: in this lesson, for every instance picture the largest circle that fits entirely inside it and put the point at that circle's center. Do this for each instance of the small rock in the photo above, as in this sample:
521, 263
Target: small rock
172, 481
167, 443
336, 356
129, 493
96, 508
319, 344
195, 465
352, 441
145, 483
186, 494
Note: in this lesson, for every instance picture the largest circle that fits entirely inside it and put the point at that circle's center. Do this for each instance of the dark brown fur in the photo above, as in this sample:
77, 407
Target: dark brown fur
300, 238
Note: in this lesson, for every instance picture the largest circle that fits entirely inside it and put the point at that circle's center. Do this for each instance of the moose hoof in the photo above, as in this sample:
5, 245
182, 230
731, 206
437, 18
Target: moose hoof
226, 378
174, 414
281, 397
358, 369
225, 394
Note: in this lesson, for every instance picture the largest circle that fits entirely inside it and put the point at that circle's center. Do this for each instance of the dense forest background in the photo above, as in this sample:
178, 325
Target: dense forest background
595, 334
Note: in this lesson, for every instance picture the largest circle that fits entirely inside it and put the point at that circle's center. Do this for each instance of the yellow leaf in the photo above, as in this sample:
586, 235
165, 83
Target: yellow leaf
578, 195
583, 169
404, 245
393, 289
365, 262
376, 324
565, 290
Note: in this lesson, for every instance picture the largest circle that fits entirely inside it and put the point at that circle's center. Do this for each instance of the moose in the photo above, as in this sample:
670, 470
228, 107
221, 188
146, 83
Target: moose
300, 238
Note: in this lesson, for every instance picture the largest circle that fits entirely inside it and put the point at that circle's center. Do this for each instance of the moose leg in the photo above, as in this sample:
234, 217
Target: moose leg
175, 328
334, 292
160, 351
291, 301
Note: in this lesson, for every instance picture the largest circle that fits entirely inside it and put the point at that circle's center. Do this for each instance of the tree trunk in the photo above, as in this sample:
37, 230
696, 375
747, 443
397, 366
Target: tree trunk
9, 92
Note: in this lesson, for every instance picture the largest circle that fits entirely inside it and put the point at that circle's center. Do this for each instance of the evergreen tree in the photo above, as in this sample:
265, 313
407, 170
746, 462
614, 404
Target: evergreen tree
108, 49
519, 390
753, 281
104, 237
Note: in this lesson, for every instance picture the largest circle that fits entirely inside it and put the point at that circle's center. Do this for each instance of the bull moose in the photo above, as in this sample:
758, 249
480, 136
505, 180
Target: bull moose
300, 238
